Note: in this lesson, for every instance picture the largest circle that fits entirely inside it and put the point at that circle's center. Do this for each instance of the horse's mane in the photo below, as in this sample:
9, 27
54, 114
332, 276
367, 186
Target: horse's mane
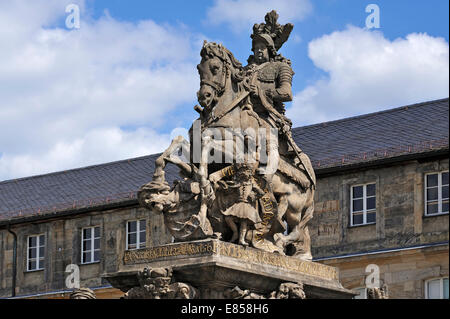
213, 49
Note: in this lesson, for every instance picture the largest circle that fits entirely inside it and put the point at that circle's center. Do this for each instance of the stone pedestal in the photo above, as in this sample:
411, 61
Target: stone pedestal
214, 267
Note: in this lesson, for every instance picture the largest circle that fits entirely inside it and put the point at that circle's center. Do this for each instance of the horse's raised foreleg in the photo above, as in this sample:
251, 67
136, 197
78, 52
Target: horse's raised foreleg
168, 156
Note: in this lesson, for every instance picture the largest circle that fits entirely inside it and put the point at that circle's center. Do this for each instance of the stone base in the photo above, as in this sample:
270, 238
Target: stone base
213, 266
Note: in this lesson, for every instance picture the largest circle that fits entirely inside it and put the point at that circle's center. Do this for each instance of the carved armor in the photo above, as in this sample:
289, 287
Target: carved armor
274, 80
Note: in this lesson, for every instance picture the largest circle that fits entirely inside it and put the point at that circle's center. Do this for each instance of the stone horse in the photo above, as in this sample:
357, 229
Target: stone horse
192, 207
223, 96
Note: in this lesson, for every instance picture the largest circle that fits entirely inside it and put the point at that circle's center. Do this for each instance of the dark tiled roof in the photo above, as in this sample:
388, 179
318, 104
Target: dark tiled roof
405, 130
412, 129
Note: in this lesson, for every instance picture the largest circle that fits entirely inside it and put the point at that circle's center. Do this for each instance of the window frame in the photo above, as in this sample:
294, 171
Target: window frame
439, 200
92, 249
441, 286
139, 244
38, 257
364, 198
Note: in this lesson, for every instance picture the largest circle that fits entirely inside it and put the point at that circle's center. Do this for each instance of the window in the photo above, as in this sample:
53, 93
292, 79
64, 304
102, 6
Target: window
362, 293
90, 245
436, 288
36, 251
136, 234
363, 205
436, 193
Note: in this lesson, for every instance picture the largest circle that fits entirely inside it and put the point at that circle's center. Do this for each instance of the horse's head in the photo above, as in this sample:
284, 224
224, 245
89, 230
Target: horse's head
216, 66
207, 96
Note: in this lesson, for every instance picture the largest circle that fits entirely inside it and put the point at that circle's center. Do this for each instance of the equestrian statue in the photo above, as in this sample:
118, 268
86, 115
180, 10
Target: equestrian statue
243, 178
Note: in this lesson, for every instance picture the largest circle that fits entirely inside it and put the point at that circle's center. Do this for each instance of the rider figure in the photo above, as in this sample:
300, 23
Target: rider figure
269, 80
268, 77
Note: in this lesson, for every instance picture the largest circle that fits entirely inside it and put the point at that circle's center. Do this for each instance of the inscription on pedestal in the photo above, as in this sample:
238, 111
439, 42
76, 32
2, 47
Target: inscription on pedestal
219, 248
161, 252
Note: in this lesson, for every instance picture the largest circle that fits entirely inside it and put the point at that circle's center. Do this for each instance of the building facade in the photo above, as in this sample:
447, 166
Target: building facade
376, 220
94, 241
381, 211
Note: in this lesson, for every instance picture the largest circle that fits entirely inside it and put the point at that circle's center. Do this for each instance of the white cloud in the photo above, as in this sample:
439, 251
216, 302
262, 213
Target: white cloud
367, 73
66, 95
240, 15
96, 146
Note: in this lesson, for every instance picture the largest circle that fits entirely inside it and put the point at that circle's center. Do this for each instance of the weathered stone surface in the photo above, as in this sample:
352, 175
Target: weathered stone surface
83, 293
157, 283
400, 220
213, 266
287, 290
404, 272
377, 293
259, 191
63, 247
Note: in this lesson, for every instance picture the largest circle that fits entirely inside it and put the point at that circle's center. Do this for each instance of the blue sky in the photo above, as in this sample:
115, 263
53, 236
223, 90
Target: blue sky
105, 91
398, 19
